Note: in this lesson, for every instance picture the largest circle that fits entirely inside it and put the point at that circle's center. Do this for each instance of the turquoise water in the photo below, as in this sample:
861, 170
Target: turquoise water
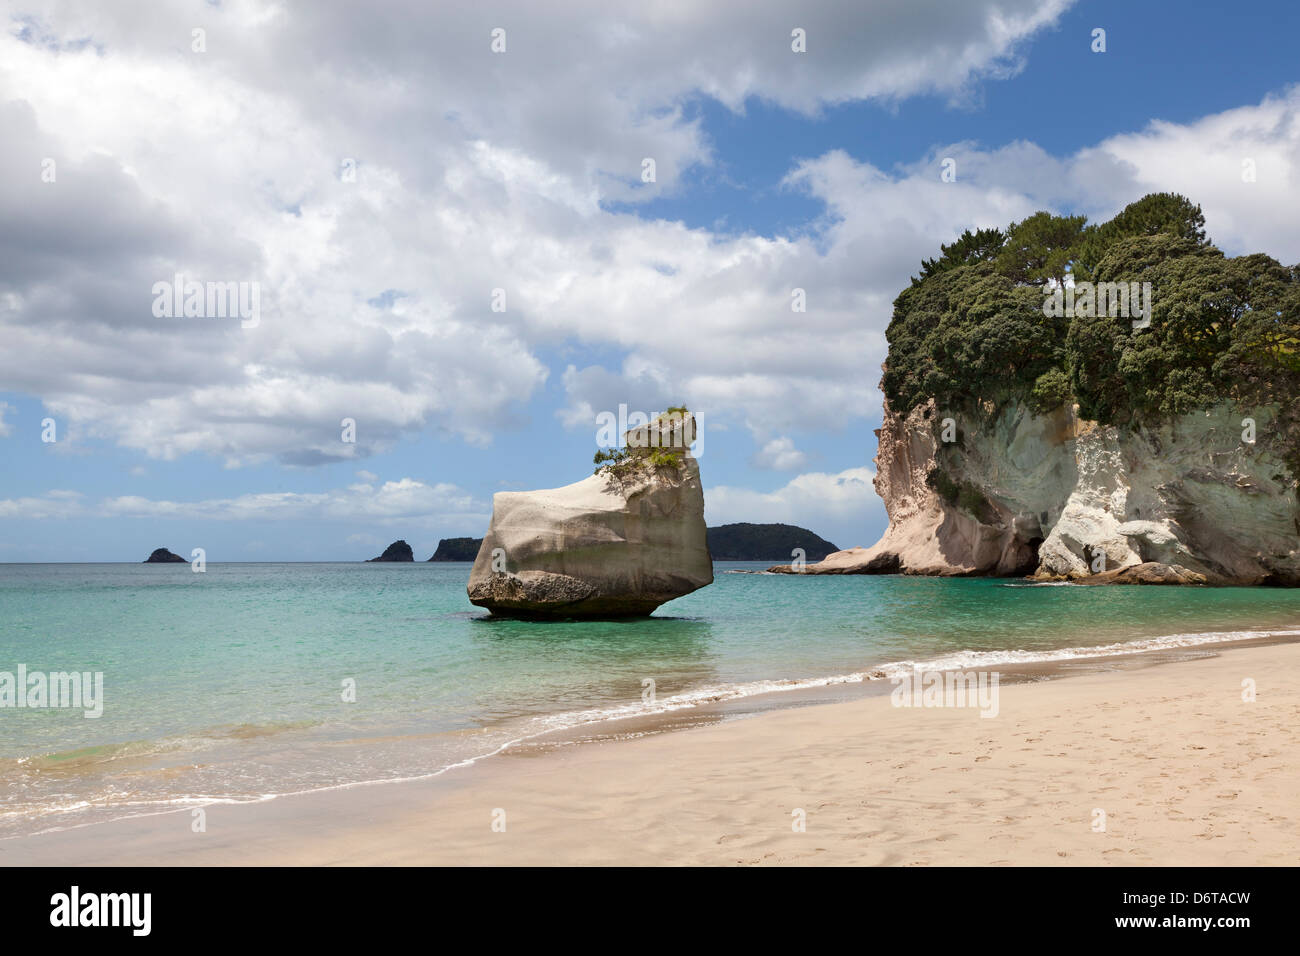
228, 685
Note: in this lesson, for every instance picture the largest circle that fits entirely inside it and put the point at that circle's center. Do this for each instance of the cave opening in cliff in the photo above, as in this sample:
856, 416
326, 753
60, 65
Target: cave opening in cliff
1030, 562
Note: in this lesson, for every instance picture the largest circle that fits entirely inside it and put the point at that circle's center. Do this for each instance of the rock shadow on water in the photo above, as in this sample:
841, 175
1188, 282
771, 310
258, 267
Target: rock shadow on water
659, 636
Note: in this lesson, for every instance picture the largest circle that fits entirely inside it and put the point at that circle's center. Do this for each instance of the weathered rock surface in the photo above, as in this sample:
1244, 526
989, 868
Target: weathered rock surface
163, 556
606, 546
1062, 498
1149, 572
397, 551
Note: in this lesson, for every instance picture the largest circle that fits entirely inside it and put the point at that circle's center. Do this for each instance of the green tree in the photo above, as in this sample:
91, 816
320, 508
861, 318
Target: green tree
982, 245
1040, 248
1154, 214
972, 327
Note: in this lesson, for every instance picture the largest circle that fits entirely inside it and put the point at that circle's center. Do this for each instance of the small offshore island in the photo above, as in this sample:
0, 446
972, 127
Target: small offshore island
742, 541
163, 556
457, 549
397, 551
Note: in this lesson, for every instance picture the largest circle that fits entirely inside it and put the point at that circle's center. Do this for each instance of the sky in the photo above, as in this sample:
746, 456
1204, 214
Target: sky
455, 247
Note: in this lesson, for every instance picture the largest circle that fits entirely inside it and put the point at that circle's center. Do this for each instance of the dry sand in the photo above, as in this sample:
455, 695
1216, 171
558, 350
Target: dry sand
1185, 770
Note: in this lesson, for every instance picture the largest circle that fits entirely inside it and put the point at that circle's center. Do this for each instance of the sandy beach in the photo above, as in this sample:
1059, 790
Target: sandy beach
1184, 770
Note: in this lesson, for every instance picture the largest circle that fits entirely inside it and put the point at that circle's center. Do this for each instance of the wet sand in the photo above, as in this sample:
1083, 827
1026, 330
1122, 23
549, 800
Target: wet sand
1151, 759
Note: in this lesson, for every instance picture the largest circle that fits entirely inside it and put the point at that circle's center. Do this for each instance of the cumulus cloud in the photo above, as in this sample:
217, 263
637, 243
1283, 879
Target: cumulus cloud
779, 454
231, 165
472, 174
5, 428
405, 501
1240, 165
815, 499
58, 503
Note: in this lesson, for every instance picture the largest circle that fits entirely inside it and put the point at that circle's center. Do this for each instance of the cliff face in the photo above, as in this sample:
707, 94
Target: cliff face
1057, 497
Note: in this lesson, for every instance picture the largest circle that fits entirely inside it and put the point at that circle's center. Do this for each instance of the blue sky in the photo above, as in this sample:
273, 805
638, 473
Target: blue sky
522, 173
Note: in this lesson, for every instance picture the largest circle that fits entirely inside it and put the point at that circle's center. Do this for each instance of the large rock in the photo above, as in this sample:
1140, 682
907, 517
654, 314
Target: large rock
619, 543
1059, 497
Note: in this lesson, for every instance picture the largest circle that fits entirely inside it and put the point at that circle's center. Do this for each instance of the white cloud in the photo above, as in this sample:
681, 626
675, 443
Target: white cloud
478, 172
812, 500
474, 172
403, 500
1202, 159
5, 428
779, 454
406, 501
53, 504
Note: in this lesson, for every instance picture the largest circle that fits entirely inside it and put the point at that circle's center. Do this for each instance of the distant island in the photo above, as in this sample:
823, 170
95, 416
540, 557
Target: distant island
163, 556
397, 551
457, 549
729, 542
765, 542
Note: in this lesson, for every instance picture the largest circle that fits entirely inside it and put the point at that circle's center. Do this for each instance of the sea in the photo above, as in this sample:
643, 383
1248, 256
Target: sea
250, 682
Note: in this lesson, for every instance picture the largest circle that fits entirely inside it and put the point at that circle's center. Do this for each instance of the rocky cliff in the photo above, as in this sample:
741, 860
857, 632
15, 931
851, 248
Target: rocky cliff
619, 543
1059, 497
1108, 402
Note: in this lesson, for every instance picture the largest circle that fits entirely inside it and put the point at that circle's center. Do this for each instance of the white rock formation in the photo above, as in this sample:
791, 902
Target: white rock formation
609, 545
1060, 497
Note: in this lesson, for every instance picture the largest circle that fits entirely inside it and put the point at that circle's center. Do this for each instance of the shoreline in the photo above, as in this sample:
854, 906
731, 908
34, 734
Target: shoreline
720, 771
695, 707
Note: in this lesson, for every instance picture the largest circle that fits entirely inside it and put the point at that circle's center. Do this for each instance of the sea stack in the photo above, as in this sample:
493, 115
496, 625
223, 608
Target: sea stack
397, 551
163, 556
1080, 431
618, 543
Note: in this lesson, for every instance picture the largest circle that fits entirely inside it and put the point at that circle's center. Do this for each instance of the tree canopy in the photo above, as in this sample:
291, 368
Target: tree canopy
972, 327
